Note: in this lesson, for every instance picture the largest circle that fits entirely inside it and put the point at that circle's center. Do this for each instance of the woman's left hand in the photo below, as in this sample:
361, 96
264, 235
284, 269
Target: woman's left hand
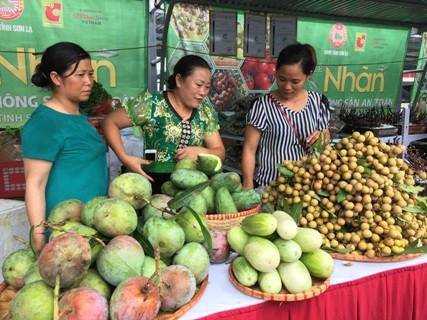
188, 152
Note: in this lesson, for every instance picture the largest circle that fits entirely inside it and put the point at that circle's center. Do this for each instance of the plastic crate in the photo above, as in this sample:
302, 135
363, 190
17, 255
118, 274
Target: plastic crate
12, 179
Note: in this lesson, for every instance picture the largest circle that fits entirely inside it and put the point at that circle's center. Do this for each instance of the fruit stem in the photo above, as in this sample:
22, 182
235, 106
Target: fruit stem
22, 241
56, 298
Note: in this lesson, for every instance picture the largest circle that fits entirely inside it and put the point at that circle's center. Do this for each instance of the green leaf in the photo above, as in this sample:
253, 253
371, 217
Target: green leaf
414, 247
341, 196
284, 171
422, 203
323, 193
268, 207
205, 231
413, 209
315, 196
145, 244
411, 189
285, 206
296, 211
185, 197
361, 161
343, 250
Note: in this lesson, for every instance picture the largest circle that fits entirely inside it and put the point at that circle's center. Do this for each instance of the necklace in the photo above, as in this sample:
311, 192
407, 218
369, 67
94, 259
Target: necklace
175, 107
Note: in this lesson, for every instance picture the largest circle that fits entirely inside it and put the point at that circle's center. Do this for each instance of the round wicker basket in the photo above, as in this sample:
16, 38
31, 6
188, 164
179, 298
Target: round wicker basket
229, 220
319, 286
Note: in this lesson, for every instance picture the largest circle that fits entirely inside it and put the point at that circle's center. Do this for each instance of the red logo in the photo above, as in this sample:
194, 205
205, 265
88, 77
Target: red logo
11, 9
360, 41
338, 35
53, 11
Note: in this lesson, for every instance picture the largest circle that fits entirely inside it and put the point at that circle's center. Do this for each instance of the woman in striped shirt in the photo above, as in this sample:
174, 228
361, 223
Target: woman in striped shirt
283, 124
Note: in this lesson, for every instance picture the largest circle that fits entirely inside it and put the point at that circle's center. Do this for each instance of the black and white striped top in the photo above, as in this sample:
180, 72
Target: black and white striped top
278, 140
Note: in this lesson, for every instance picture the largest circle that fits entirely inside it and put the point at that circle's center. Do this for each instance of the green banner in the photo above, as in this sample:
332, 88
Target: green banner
359, 66
114, 32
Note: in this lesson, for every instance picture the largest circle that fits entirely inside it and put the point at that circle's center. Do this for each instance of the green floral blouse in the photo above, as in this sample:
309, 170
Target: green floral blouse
164, 130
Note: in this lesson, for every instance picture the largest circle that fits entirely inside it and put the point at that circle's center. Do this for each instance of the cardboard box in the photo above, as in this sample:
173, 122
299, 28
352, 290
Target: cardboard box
12, 179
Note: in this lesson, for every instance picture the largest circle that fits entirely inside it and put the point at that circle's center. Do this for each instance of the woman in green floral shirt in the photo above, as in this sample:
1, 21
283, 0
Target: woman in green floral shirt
177, 123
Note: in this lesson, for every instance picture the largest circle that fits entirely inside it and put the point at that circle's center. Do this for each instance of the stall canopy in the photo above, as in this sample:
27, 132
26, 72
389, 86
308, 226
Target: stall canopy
386, 12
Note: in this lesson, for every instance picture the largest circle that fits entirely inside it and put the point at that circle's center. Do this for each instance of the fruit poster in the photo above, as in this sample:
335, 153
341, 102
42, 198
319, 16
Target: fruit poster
114, 32
359, 65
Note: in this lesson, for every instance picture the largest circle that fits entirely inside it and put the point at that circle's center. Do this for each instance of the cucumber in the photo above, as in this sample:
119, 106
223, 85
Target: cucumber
308, 239
261, 253
270, 282
289, 250
244, 272
237, 238
260, 224
287, 228
295, 276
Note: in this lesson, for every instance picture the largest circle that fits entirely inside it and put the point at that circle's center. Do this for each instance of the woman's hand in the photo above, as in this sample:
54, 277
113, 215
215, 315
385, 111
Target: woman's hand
315, 135
134, 164
188, 152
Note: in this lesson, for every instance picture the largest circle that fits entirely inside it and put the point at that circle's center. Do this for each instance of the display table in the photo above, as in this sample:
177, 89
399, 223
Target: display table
364, 290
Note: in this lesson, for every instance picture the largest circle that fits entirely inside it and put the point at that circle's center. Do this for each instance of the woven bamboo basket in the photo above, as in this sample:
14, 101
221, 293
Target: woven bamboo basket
360, 258
227, 221
319, 286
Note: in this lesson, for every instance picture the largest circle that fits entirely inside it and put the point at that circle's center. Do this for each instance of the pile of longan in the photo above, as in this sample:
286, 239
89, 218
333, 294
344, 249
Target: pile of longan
356, 193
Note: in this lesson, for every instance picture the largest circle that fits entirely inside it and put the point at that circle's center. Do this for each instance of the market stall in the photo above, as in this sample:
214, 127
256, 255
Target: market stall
372, 275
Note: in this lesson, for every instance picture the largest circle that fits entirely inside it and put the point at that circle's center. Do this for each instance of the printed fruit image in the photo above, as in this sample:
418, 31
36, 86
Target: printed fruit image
226, 88
258, 73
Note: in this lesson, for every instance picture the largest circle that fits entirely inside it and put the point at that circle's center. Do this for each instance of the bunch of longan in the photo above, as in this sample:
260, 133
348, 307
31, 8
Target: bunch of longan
358, 193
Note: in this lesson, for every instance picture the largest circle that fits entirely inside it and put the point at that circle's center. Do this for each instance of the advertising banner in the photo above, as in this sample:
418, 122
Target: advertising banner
114, 32
359, 66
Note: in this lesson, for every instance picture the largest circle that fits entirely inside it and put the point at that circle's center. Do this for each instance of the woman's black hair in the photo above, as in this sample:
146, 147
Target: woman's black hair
185, 67
298, 53
58, 58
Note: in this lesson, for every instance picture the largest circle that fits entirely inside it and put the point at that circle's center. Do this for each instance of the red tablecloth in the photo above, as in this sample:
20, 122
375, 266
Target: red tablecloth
364, 290
398, 294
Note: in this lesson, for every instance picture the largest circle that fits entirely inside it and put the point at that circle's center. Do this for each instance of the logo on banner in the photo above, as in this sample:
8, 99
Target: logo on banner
52, 13
338, 35
11, 10
360, 42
